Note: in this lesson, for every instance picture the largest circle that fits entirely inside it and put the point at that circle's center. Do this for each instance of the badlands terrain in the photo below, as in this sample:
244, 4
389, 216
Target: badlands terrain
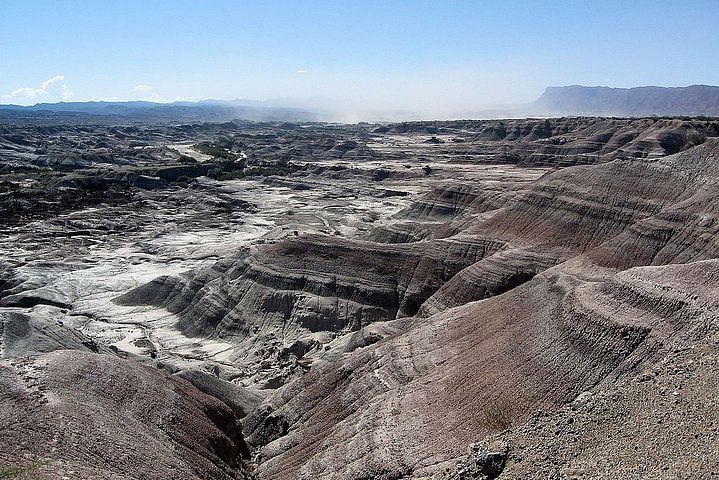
511, 299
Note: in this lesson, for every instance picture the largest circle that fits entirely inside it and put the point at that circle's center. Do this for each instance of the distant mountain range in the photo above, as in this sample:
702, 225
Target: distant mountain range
150, 112
575, 100
629, 102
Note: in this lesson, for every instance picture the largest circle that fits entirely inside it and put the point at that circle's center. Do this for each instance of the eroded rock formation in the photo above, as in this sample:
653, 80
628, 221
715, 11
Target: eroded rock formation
85, 415
419, 300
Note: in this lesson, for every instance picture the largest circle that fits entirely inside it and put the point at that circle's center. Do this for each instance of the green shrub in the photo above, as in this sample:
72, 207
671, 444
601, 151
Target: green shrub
217, 150
215, 173
10, 472
187, 159
497, 416
6, 473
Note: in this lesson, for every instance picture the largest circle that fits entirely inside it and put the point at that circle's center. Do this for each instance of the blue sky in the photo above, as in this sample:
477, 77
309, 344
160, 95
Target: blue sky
426, 55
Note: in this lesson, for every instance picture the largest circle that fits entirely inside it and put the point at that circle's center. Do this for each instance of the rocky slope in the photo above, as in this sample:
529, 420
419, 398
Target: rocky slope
487, 364
70, 414
407, 405
656, 425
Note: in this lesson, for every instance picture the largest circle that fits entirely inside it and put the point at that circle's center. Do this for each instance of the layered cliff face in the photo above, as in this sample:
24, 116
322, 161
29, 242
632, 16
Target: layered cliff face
665, 214
487, 364
323, 283
410, 403
312, 283
559, 142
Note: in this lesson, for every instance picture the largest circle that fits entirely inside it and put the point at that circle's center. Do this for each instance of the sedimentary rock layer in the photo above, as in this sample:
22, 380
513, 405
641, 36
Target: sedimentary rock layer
371, 302
313, 283
409, 403
486, 364
83, 415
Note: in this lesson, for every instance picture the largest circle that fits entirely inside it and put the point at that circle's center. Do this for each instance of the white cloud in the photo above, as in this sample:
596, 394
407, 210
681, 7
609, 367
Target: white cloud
147, 93
187, 99
302, 71
26, 92
153, 97
51, 90
66, 92
47, 83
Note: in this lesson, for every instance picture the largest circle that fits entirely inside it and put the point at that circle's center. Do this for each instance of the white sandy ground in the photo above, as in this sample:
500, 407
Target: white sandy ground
106, 271
186, 149
108, 267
